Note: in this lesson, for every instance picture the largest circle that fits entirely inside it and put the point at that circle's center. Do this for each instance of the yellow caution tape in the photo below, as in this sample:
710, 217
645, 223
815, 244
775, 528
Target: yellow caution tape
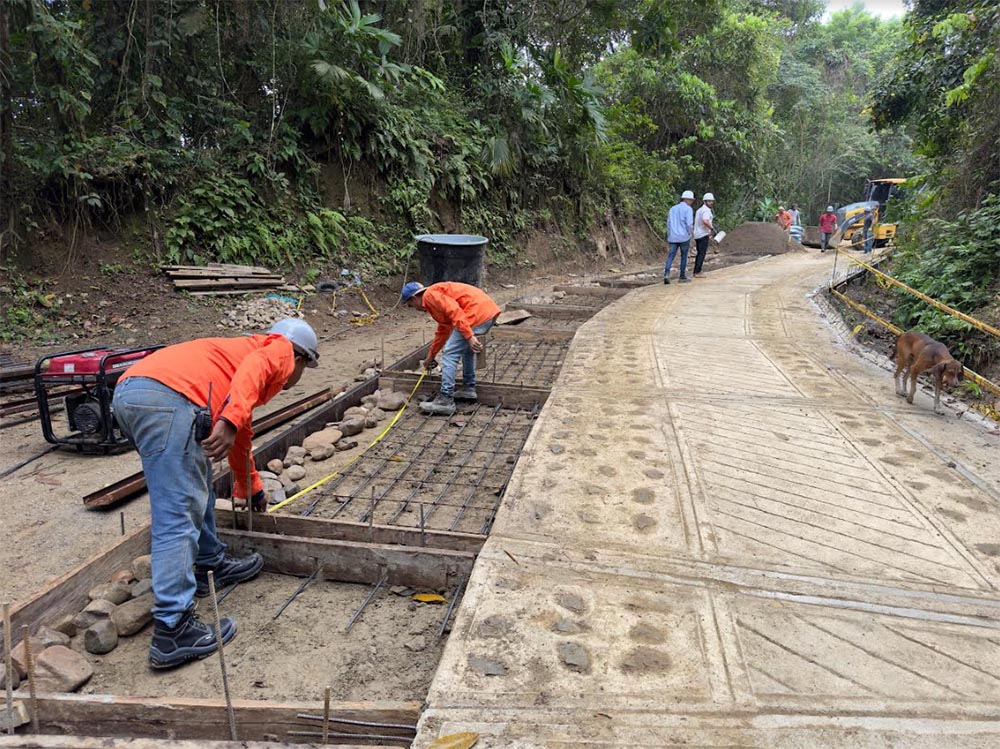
357, 457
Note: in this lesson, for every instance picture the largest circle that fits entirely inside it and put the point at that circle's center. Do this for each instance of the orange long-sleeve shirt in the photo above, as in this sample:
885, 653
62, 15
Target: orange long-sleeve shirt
244, 373
456, 305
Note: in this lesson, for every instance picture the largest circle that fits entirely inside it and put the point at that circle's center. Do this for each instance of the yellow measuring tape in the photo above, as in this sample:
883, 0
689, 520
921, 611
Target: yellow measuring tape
367, 319
357, 457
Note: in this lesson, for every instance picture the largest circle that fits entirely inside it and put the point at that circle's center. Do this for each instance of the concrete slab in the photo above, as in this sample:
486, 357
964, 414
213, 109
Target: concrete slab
726, 530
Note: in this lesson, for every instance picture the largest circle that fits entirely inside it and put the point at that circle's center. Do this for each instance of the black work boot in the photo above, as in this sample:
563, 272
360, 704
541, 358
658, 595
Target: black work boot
190, 640
466, 394
229, 572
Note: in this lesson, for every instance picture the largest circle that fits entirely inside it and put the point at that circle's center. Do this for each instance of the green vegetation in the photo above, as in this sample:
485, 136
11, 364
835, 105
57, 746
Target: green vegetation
944, 88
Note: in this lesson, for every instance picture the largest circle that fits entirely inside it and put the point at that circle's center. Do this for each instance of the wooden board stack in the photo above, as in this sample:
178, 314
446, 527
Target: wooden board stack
221, 279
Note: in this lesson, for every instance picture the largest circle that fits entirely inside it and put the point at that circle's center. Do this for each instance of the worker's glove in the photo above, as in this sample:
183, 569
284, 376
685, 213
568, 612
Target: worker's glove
430, 364
259, 501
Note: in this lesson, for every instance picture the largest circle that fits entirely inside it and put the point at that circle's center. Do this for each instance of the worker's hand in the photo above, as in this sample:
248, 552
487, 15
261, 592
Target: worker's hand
220, 441
259, 501
429, 364
476, 345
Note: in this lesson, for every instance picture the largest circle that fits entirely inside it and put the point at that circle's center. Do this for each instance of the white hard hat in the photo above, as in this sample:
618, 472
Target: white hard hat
829, 208
687, 195
781, 207
302, 337
708, 196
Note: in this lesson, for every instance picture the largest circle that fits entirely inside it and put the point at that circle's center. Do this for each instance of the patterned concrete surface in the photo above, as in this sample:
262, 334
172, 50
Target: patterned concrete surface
726, 530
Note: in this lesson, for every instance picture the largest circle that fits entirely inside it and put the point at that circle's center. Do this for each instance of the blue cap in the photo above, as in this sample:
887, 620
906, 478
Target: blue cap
410, 289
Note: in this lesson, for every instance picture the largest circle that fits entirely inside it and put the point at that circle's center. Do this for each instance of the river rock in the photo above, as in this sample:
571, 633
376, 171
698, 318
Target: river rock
130, 617
49, 637
18, 657
575, 656
123, 576
296, 455
371, 422
59, 669
416, 644
355, 411
322, 453
370, 401
323, 438
346, 444
296, 473
275, 466
350, 427
100, 637
141, 588
65, 625
142, 567
14, 683
392, 401
99, 609
116, 592
378, 413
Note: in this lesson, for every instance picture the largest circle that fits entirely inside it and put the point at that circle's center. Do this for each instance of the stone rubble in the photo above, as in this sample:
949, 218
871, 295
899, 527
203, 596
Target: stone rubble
259, 314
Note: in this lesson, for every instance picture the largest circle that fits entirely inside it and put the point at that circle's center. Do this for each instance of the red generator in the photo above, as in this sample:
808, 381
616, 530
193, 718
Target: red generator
94, 373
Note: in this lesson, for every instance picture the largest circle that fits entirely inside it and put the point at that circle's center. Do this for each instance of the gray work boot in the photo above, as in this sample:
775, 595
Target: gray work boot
466, 394
443, 405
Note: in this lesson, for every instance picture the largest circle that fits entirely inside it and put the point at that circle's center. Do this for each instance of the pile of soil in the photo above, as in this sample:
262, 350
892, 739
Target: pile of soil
758, 238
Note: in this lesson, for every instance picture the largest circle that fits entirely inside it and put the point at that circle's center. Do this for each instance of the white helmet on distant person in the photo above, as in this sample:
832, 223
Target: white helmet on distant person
708, 196
829, 209
687, 195
302, 337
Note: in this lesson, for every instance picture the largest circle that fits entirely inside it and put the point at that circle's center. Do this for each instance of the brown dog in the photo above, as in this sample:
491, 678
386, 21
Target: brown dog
916, 353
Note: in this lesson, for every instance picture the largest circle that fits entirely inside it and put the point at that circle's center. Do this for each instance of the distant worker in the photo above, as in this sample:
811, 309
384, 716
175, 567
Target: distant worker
680, 224
463, 313
794, 213
703, 231
181, 407
784, 218
827, 227
869, 234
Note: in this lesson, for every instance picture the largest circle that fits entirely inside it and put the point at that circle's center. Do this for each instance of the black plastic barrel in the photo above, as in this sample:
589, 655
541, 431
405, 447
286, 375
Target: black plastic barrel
451, 257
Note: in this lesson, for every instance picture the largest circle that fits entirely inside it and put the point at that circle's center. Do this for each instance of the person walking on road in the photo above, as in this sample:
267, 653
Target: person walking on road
703, 231
868, 228
680, 224
463, 313
182, 407
827, 227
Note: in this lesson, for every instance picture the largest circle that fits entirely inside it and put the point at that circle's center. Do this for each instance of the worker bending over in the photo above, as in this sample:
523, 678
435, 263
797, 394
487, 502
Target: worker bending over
162, 405
462, 312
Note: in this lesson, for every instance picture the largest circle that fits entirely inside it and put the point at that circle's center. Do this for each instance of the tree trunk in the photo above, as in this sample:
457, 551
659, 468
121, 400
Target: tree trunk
6, 134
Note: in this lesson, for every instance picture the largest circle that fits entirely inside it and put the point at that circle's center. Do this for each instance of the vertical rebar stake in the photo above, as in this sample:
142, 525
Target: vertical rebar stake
371, 512
122, 516
423, 533
381, 364
222, 657
29, 663
326, 716
8, 668
249, 498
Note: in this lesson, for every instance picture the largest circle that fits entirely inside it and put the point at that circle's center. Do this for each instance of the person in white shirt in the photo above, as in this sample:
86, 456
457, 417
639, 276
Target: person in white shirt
703, 231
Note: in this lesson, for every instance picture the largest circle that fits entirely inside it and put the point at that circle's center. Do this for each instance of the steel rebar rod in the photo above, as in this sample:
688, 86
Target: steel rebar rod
461, 466
368, 737
451, 606
368, 599
29, 665
406, 502
295, 595
352, 722
485, 472
8, 668
222, 657
496, 505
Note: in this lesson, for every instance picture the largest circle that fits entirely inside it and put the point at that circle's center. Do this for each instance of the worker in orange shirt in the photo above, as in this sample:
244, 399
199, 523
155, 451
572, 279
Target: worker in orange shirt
203, 391
784, 218
463, 313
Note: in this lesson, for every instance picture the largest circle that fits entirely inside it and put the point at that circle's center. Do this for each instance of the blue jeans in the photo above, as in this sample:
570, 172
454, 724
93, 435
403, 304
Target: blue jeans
674, 246
458, 348
160, 423
869, 241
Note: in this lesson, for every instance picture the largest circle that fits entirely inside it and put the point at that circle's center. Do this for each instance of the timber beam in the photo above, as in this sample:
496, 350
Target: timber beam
601, 291
557, 311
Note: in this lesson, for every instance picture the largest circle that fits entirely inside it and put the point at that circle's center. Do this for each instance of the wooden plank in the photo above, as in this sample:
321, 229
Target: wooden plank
200, 719
560, 311
603, 291
511, 396
255, 269
217, 273
353, 561
68, 594
247, 282
102, 742
342, 530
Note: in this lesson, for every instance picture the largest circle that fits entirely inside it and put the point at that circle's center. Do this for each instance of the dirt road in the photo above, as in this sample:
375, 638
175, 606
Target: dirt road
727, 530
